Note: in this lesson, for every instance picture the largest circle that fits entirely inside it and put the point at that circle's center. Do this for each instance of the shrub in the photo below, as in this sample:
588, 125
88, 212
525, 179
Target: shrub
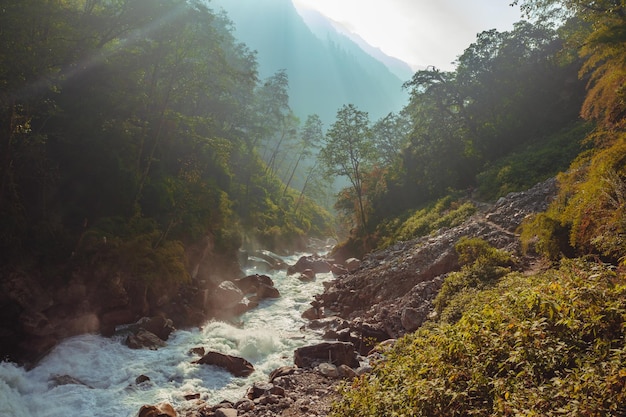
482, 265
589, 214
446, 212
549, 344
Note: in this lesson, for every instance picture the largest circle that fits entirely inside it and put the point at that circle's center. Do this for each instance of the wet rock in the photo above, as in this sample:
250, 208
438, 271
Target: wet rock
159, 326
160, 410
143, 339
198, 351
226, 296
267, 291
57, 380
337, 353
282, 371
237, 366
141, 379
315, 263
307, 275
249, 284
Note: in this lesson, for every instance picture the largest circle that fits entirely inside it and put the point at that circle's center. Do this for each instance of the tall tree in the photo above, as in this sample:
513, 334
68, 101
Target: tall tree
349, 152
311, 135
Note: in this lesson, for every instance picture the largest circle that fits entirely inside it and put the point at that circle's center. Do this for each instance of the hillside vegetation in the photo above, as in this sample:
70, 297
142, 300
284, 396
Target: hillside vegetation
548, 341
141, 128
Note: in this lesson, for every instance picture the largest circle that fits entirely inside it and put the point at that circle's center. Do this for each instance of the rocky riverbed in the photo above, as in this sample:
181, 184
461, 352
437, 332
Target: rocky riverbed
377, 299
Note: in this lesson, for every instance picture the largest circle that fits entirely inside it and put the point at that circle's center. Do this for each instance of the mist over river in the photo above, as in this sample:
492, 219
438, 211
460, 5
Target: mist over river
267, 337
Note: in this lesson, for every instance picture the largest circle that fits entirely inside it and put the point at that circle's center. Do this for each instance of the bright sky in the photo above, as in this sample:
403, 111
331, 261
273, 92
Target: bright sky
419, 32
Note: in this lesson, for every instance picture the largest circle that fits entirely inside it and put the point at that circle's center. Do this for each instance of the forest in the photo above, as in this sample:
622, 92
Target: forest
144, 125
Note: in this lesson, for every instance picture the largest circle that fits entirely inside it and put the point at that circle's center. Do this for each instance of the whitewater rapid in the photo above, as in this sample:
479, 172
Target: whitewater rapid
267, 337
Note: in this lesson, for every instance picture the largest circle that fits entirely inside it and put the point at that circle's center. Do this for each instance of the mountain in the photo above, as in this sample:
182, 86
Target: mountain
333, 31
324, 74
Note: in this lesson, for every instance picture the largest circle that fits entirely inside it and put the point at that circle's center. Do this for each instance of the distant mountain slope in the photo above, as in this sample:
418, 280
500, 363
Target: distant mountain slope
329, 30
323, 75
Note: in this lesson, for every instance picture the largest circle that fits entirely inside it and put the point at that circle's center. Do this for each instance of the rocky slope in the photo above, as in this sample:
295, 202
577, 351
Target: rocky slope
393, 289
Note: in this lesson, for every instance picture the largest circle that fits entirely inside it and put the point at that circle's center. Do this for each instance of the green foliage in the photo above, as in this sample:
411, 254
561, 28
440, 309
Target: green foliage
549, 344
482, 266
140, 111
499, 122
588, 214
136, 249
349, 152
534, 163
446, 212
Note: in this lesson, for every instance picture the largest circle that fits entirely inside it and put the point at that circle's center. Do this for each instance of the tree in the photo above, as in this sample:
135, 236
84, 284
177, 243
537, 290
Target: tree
390, 135
311, 136
349, 151
602, 43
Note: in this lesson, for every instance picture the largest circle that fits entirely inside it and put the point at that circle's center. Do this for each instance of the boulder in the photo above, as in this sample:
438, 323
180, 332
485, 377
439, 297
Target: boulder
282, 371
160, 326
337, 269
227, 295
159, 410
328, 370
347, 372
141, 379
412, 318
225, 412
337, 353
260, 389
315, 263
250, 284
143, 339
352, 264
267, 291
235, 365
307, 275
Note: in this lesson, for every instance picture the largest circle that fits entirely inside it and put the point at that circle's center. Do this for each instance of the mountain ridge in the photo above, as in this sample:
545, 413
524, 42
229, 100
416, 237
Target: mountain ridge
323, 76
326, 28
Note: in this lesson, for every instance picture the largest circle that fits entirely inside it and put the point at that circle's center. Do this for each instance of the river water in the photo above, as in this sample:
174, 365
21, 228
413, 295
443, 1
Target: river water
269, 335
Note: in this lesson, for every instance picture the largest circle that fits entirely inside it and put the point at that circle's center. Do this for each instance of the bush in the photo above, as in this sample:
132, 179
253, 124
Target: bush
549, 344
446, 212
589, 214
482, 265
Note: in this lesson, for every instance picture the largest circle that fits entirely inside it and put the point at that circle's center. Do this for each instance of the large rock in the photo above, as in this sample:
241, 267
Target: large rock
233, 364
159, 325
337, 353
159, 410
352, 264
315, 263
267, 291
143, 339
226, 296
250, 284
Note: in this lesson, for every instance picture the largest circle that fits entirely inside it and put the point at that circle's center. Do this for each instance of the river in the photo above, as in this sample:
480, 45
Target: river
267, 337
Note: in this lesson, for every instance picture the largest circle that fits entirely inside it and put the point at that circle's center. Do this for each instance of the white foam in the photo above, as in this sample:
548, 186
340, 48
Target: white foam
108, 368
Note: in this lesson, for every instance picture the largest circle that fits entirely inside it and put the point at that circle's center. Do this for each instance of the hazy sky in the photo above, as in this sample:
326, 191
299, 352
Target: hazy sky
420, 32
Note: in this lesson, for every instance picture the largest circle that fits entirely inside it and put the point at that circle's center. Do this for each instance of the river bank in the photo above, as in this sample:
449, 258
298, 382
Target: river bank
388, 295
